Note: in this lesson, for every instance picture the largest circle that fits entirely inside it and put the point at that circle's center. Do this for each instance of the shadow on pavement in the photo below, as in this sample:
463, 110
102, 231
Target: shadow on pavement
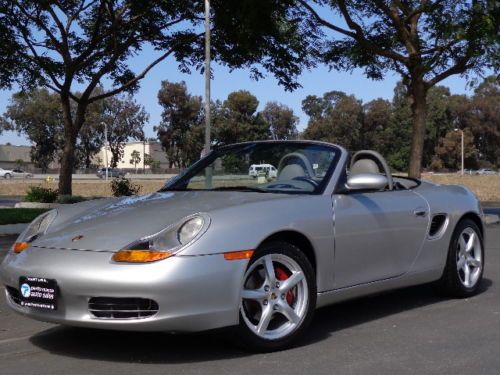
135, 347
335, 318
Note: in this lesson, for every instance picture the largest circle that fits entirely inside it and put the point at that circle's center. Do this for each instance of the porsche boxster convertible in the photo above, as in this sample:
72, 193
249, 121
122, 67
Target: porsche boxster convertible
217, 247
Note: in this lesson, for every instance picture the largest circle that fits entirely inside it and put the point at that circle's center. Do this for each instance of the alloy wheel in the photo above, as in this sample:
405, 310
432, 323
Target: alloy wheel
274, 298
469, 257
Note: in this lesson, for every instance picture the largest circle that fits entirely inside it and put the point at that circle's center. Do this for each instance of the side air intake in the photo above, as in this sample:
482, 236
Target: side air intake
438, 224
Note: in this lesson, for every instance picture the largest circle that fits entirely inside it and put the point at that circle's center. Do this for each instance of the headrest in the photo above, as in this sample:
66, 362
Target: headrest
364, 166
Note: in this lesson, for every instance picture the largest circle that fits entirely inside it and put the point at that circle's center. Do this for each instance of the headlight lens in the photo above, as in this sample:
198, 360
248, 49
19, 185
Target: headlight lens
165, 243
37, 228
190, 229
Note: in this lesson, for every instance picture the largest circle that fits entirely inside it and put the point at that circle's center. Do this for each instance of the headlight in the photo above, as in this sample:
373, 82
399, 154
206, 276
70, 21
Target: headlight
165, 243
190, 229
37, 228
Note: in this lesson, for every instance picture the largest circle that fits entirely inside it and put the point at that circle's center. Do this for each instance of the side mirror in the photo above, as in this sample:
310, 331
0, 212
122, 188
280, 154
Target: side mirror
366, 181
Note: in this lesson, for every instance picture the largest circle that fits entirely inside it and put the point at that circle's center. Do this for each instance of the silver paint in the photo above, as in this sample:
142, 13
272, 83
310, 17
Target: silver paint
363, 242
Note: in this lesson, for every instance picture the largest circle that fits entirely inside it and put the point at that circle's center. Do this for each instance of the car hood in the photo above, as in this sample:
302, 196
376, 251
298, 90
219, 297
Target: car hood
111, 224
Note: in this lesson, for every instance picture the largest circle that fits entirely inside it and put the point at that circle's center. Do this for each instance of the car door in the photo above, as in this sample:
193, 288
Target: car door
377, 234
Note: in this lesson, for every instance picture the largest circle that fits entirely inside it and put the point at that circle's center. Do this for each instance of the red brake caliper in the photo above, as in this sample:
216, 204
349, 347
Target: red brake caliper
281, 275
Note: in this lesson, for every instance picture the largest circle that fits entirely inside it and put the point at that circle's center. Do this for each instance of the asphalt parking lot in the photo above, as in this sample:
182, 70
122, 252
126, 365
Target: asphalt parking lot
410, 331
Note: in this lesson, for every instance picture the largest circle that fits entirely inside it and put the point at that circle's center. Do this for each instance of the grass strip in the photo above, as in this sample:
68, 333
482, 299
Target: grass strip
19, 215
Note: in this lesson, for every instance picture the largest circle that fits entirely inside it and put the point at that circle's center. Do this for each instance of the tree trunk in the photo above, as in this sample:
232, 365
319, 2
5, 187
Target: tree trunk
418, 93
71, 129
67, 163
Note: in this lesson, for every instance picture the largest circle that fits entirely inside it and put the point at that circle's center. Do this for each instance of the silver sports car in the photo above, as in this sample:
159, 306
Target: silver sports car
216, 247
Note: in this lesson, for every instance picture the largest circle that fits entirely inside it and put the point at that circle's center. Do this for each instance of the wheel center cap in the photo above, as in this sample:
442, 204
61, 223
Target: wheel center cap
273, 295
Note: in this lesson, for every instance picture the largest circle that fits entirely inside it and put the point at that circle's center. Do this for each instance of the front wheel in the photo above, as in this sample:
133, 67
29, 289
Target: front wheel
465, 263
278, 297
7, 176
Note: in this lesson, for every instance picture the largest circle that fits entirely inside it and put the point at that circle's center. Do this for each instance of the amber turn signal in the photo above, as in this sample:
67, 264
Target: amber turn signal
238, 255
20, 246
140, 256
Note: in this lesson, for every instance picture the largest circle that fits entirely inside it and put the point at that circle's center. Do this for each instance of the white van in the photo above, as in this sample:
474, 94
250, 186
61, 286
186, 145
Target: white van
267, 169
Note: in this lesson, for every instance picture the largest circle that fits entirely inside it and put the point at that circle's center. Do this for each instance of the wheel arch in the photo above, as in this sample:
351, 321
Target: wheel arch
475, 218
297, 239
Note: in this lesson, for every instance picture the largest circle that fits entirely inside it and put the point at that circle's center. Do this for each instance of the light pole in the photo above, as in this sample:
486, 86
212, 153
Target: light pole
106, 147
207, 76
208, 171
462, 148
144, 157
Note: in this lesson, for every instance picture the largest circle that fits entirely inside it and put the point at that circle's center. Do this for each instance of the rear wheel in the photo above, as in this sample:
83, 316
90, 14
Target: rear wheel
278, 297
465, 263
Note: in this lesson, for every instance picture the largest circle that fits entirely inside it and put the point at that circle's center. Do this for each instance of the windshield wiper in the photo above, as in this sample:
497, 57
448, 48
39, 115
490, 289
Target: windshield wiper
242, 188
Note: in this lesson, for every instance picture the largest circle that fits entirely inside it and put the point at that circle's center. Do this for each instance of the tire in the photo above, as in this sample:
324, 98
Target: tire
289, 305
7, 176
466, 251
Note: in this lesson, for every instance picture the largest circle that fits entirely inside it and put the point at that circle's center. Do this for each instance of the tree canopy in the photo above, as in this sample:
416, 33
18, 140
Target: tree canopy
125, 120
385, 126
64, 45
423, 41
236, 119
37, 115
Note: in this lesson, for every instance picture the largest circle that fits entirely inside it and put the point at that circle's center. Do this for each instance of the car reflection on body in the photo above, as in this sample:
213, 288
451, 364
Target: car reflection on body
217, 248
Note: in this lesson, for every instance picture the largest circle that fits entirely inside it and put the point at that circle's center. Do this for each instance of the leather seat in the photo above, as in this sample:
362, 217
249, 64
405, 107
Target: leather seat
365, 166
291, 171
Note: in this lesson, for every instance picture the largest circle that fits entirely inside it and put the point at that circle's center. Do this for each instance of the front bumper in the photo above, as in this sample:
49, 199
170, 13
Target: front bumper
194, 293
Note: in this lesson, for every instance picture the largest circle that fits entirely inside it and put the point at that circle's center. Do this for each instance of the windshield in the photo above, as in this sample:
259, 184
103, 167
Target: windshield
267, 167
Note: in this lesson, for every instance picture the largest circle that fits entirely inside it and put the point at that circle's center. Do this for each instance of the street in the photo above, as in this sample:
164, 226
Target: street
410, 331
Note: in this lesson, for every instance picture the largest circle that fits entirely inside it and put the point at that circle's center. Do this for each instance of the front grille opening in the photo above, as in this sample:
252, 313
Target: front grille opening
14, 295
437, 224
122, 308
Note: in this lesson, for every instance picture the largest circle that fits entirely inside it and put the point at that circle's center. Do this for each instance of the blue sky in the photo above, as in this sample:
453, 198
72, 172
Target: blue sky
315, 82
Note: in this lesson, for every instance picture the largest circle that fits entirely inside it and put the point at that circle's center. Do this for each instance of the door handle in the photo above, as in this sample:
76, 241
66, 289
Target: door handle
420, 212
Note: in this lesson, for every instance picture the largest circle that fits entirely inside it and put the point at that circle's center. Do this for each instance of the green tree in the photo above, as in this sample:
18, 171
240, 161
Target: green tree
88, 42
281, 120
135, 158
90, 139
448, 153
125, 120
150, 162
180, 130
239, 121
37, 114
20, 163
63, 44
336, 117
424, 42
376, 120
439, 120
483, 119
479, 116
8, 60
4, 124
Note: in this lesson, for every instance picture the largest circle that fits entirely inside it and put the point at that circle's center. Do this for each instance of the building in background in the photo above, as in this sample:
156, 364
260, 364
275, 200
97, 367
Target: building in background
151, 148
15, 156
20, 157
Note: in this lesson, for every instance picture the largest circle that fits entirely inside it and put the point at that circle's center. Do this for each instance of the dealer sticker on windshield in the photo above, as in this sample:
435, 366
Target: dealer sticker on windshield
38, 292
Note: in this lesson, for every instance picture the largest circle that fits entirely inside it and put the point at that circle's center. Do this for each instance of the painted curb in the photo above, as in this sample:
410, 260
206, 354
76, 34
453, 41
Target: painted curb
36, 205
12, 228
